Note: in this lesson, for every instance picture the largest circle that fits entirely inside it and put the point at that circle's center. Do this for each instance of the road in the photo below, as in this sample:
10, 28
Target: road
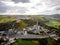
32, 36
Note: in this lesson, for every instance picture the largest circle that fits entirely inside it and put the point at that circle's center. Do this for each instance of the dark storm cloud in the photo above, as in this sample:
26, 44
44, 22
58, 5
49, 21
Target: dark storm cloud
3, 7
23, 1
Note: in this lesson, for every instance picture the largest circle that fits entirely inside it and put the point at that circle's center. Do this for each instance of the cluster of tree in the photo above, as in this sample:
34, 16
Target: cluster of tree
7, 26
21, 25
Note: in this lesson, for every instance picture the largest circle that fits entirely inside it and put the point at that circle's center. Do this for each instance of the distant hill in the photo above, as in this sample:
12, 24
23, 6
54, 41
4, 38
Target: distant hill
20, 16
54, 16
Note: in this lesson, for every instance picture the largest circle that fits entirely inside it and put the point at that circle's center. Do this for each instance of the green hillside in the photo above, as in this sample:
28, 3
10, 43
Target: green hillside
5, 19
53, 23
39, 18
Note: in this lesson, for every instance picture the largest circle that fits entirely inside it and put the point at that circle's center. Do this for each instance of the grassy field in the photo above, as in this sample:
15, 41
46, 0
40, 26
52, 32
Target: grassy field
25, 42
53, 23
5, 19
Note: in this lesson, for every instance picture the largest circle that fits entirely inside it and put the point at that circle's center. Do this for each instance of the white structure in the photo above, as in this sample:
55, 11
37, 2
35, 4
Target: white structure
24, 31
36, 28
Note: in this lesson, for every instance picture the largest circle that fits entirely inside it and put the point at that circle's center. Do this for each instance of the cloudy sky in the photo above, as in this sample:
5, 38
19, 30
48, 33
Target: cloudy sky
31, 7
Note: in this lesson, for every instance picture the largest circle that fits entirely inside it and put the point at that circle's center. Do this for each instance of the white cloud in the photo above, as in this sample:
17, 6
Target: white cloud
30, 7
